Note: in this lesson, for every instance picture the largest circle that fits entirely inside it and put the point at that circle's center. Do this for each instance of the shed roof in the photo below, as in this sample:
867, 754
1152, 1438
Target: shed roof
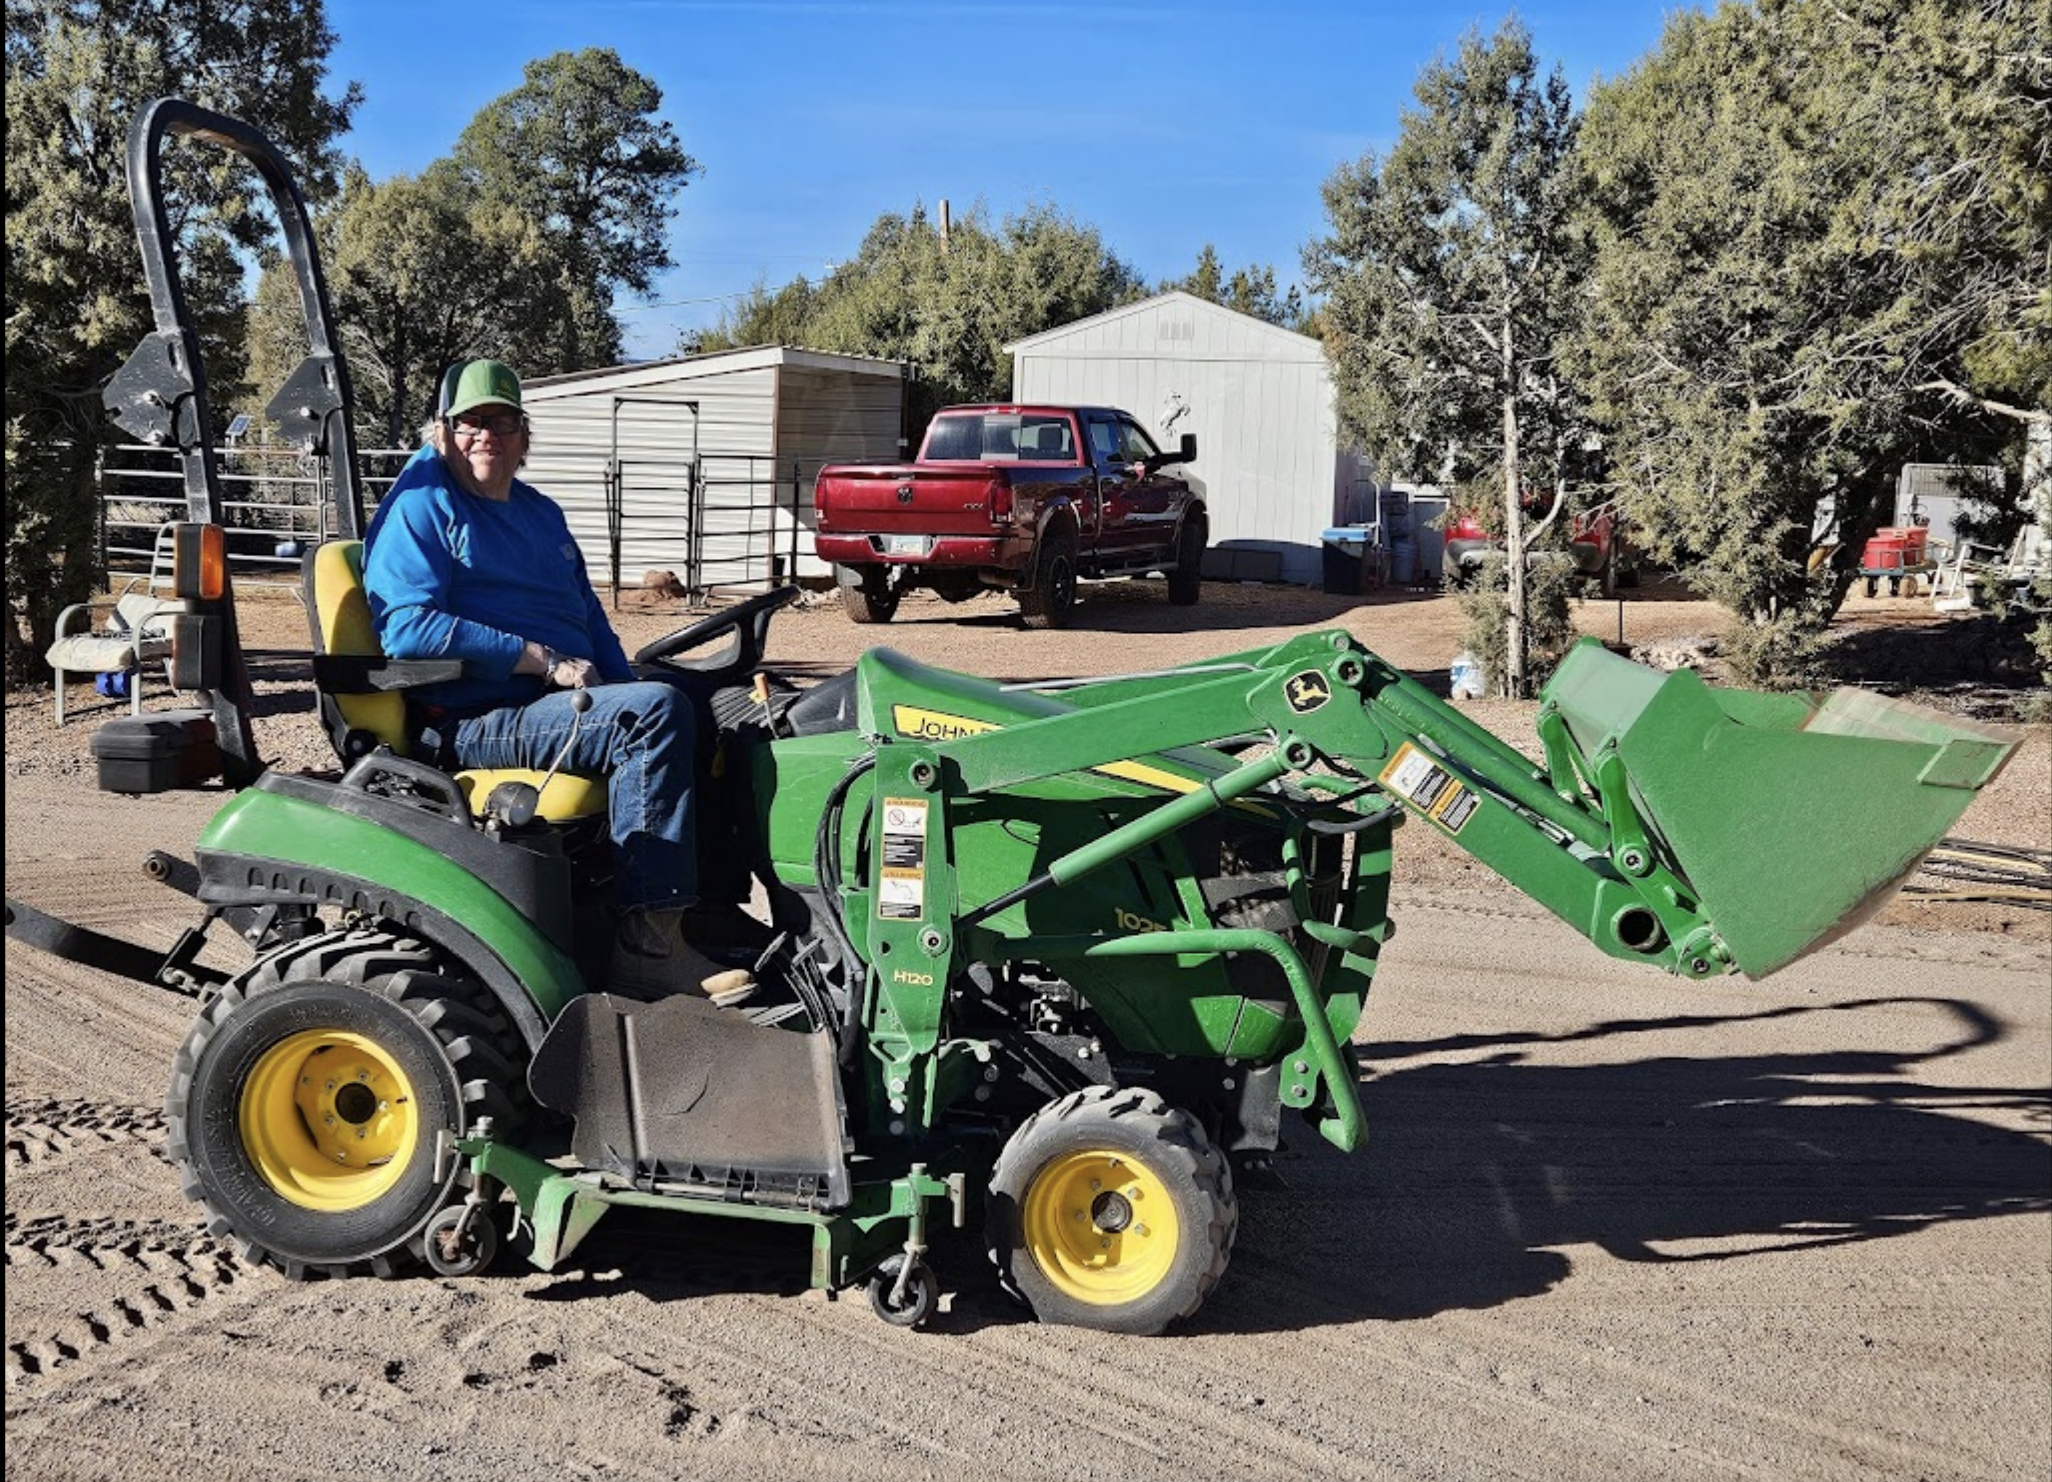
717, 363
1288, 344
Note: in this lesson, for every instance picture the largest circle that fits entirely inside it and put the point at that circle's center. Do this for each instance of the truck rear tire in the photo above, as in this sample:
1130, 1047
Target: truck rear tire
866, 596
1110, 1209
307, 1101
1186, 577
1052, 597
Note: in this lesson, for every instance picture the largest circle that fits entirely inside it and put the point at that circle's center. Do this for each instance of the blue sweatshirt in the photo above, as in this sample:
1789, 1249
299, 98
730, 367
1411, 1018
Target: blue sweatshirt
453, 576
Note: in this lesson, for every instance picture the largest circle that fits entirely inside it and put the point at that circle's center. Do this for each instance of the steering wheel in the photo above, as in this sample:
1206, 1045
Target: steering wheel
749, 621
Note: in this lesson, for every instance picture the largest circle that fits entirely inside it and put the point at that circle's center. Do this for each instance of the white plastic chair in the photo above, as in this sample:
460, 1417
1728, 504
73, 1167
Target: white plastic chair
135, 635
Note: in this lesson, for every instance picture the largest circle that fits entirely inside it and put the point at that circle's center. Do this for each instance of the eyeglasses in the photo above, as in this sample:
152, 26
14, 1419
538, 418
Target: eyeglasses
469, 428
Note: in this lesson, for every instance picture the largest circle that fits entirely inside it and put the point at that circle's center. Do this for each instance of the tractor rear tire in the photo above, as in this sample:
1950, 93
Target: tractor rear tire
307, 1101
866, 596
1052, 597
1110, 1209
1186, 577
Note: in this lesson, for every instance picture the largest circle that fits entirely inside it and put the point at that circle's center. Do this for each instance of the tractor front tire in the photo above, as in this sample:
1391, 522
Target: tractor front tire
1110, 1209
1186, 577
307, 1101
866, 594
1052, 597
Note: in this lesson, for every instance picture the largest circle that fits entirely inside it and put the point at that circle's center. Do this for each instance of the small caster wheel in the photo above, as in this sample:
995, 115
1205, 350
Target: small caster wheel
922, 1293
453, 1249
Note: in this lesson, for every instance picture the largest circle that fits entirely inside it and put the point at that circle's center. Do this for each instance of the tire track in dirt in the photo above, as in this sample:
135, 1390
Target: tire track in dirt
41, 1130
118, 1277
1118, 1404
159, 1272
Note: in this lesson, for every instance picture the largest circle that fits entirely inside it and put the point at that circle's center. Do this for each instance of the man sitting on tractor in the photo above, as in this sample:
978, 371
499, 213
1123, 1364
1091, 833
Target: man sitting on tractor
465, 561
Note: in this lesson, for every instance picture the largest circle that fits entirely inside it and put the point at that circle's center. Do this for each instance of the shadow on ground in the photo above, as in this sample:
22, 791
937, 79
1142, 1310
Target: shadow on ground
1978, 651
1477, 1172
1142, 607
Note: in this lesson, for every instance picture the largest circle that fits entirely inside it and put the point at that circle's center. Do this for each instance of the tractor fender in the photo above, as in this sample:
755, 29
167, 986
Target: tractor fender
532, 1004
299, 841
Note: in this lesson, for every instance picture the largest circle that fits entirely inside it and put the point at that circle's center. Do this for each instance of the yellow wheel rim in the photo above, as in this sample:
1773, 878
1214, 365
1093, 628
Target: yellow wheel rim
328, 1118
1101, 1227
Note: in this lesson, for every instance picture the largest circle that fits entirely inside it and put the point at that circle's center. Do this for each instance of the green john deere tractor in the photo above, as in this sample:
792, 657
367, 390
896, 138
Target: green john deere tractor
1049, 957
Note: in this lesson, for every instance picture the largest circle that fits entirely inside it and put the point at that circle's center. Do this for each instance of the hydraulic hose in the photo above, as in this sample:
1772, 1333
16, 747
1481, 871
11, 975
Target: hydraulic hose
826, 872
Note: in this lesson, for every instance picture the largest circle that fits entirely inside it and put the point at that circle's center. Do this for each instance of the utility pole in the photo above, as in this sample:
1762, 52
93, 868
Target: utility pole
944, 226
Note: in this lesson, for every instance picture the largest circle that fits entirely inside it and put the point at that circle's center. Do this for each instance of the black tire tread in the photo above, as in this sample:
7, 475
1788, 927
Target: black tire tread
1182, 1143
1036, 606
477, 1038
864, 600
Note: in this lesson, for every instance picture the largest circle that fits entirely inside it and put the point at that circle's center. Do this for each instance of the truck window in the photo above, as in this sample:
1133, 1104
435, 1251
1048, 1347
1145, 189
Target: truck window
955, 438
1000, 435
1104, 440
1045, 438
1134, 444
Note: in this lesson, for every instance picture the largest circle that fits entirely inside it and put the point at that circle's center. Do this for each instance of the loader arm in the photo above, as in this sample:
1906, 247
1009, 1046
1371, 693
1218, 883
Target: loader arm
1699, 831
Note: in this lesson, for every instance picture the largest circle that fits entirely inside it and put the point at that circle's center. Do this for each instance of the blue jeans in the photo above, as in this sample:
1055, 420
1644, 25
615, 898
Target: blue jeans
642, 738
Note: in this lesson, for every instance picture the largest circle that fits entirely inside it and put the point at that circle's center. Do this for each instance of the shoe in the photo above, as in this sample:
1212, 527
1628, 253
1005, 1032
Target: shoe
651, 958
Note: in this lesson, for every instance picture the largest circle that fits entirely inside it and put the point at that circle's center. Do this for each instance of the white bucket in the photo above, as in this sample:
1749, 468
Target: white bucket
1464, 679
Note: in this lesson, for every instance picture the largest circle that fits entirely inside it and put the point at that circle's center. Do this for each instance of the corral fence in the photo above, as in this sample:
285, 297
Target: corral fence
276, 507
715, 520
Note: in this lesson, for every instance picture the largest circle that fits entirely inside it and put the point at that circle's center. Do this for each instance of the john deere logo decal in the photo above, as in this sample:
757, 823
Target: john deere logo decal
1307, 691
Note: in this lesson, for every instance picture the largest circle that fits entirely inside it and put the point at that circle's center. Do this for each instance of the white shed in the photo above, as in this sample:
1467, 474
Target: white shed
1259, 399
704, 465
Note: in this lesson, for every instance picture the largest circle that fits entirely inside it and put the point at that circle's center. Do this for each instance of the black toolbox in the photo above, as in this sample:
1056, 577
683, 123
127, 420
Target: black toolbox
158, 752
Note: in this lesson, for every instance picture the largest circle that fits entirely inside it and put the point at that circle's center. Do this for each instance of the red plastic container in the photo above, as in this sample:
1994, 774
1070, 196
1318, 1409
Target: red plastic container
1893, 551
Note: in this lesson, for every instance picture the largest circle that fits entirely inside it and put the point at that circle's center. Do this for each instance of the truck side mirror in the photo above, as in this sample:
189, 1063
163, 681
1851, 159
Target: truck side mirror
1186, 451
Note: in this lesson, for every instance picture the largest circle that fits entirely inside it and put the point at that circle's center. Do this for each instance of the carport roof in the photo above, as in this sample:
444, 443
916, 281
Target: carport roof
1289, 342
719, 362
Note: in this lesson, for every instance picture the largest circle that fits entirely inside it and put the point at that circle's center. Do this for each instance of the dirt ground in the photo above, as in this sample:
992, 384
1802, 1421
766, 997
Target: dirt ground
1606, 1224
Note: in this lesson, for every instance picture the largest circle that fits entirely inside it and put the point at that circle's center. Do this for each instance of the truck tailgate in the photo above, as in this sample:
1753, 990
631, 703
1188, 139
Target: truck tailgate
921, 501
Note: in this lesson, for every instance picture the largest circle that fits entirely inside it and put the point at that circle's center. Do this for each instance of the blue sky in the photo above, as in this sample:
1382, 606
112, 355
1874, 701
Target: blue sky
1165, 126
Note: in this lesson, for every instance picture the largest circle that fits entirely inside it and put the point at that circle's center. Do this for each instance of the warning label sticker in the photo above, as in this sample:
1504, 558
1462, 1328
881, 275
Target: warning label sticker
901, 882
1430, 788
905, 816
900, 897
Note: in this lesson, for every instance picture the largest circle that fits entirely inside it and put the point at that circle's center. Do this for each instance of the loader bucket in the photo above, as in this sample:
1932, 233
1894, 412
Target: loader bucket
1793, 819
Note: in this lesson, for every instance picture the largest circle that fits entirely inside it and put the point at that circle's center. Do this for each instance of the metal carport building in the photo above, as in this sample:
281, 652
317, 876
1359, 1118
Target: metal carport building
704, 465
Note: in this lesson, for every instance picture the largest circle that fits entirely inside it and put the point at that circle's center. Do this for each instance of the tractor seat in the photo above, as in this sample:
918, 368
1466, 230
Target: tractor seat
364, 707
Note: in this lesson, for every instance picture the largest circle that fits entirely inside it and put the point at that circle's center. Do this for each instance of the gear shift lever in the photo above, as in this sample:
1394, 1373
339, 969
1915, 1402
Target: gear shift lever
514, 804
580, 702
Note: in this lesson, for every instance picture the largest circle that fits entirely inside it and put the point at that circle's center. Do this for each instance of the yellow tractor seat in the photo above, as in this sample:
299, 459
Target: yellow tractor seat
363, 706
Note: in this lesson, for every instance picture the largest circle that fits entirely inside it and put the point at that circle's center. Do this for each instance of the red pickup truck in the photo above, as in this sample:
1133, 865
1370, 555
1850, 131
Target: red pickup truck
1026, 499
1597, 549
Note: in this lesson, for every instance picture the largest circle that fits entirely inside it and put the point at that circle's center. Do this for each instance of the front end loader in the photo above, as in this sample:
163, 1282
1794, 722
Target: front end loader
1049, 958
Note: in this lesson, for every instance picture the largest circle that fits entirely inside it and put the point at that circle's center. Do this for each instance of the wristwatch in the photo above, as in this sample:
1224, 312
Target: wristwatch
550, 658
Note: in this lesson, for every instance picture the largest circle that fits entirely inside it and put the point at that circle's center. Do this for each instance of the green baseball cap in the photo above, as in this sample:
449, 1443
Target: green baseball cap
483, 383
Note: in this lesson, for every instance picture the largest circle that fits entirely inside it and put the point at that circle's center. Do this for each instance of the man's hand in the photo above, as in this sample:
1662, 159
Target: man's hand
561, 670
